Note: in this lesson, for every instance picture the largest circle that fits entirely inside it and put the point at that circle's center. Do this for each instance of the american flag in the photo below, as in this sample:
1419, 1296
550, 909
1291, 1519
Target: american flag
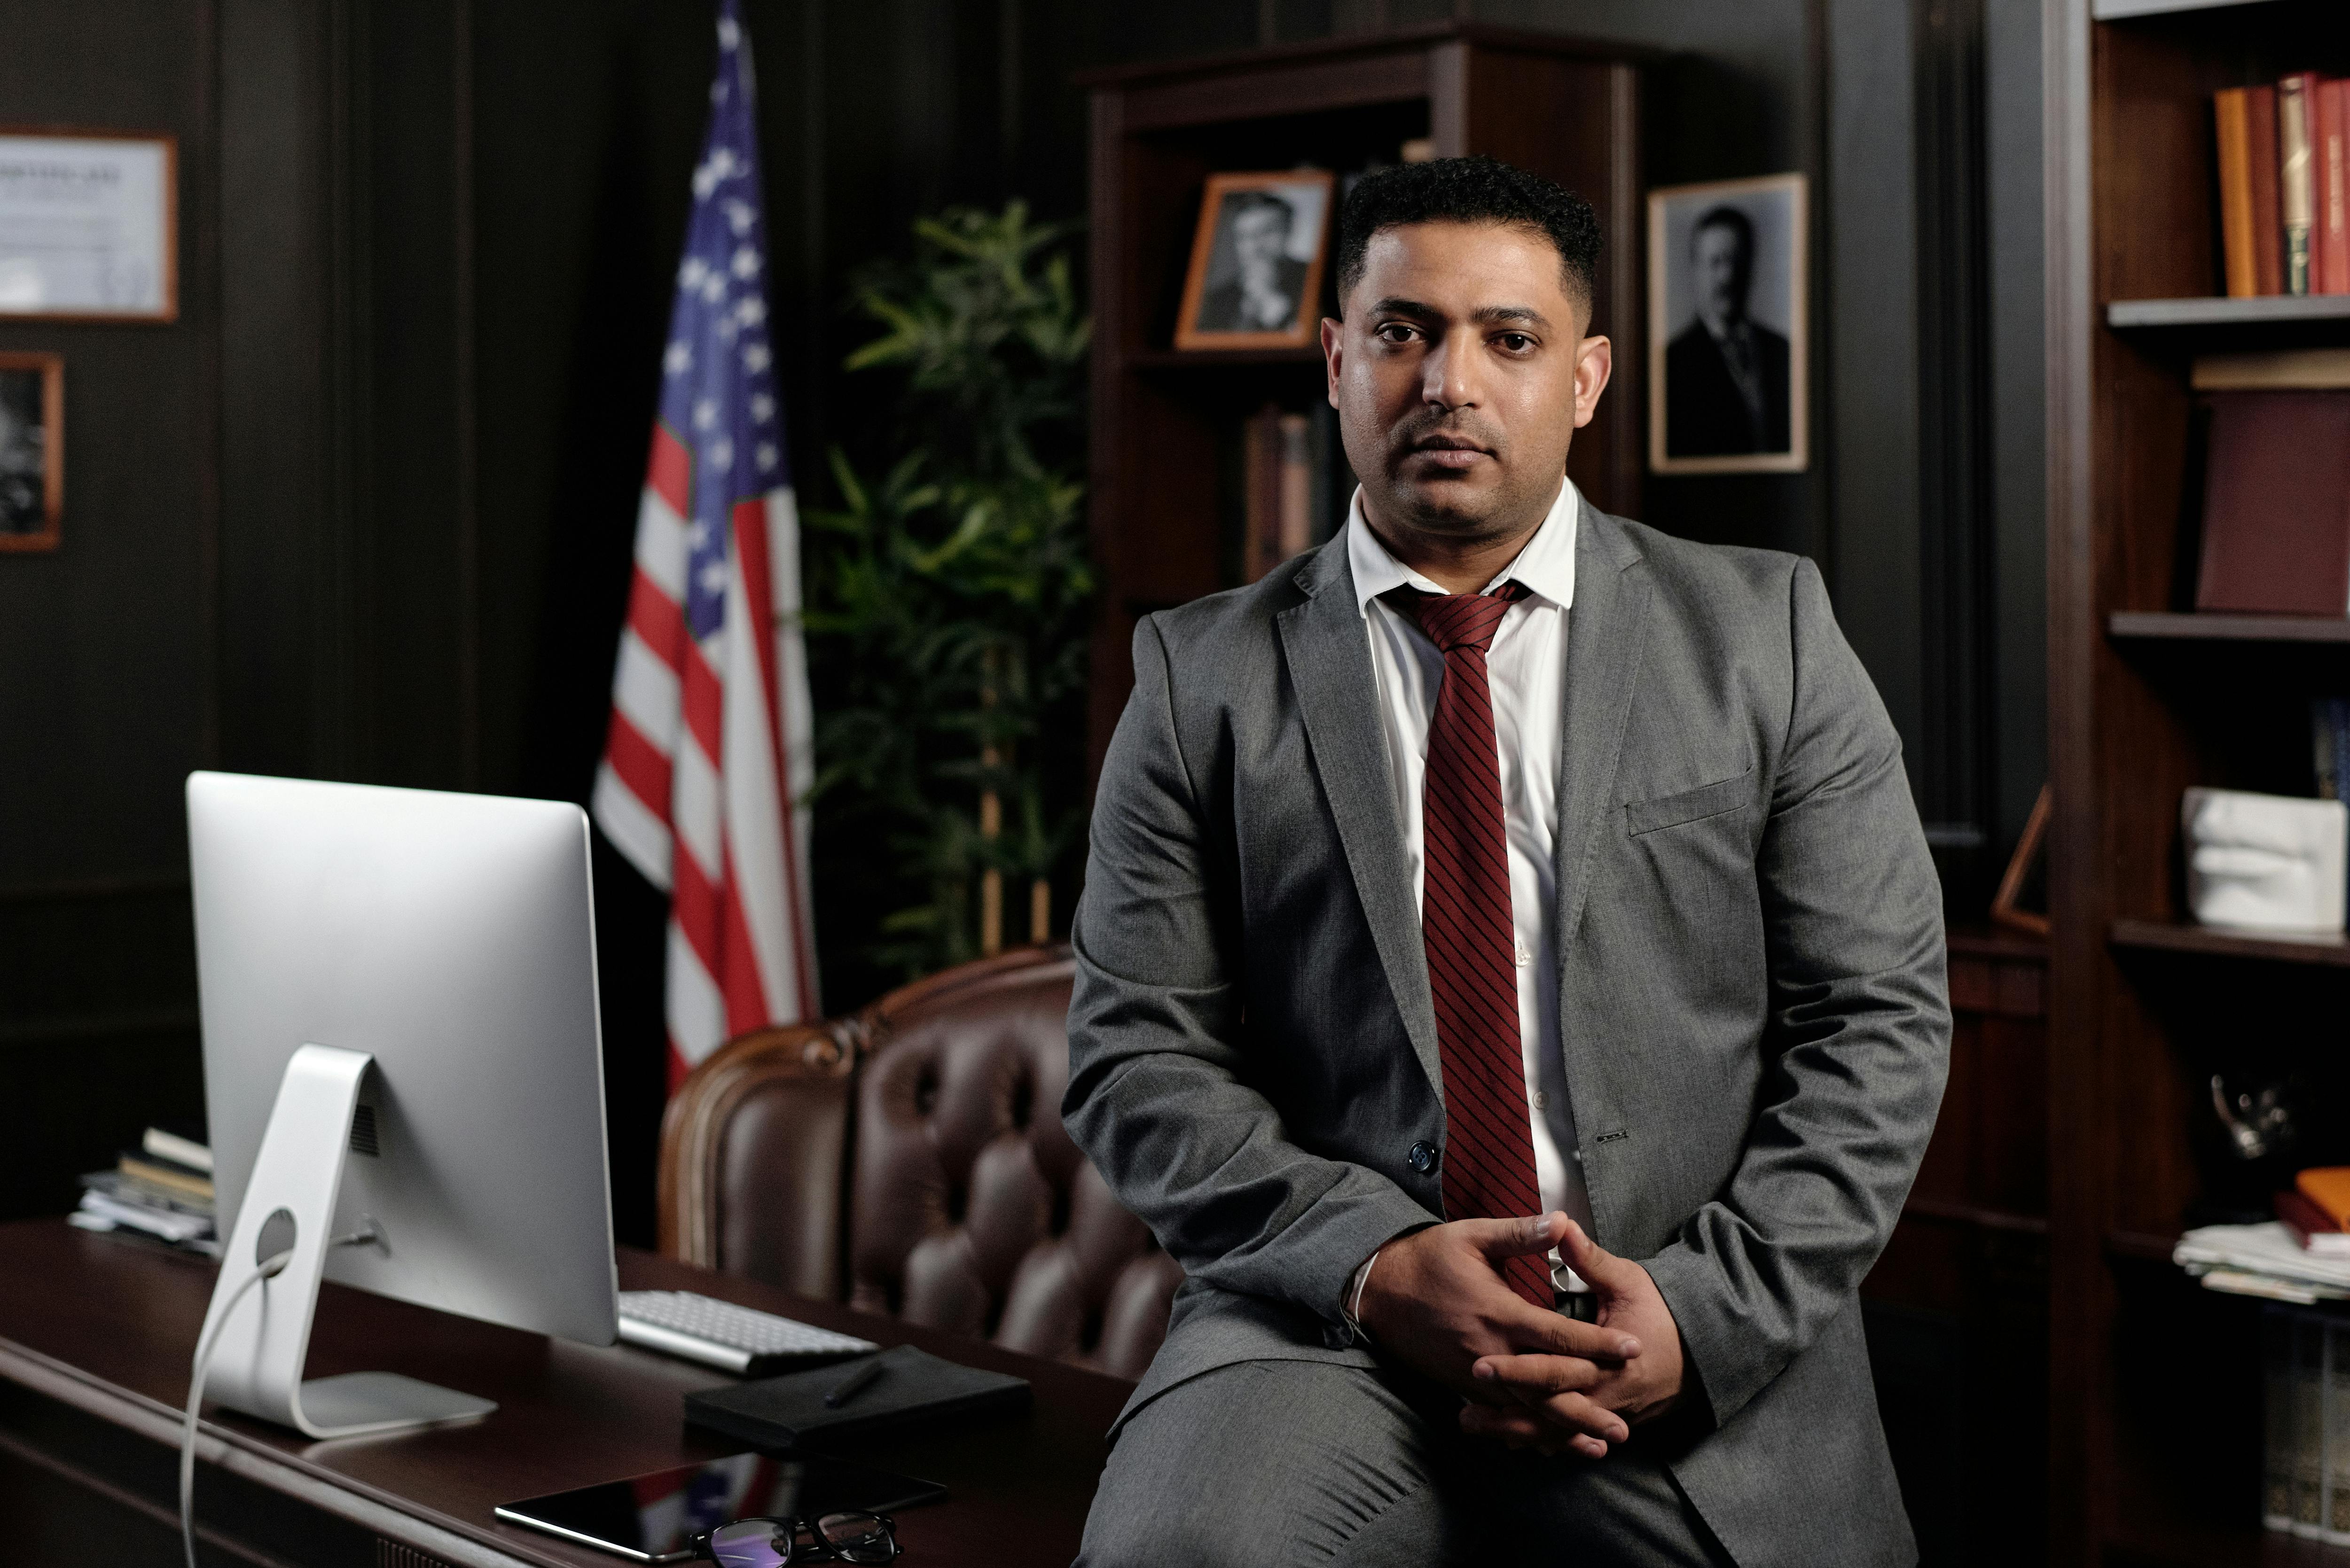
708, 757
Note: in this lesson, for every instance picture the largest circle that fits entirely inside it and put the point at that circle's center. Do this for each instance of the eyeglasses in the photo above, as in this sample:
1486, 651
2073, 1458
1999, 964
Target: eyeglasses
828, 1538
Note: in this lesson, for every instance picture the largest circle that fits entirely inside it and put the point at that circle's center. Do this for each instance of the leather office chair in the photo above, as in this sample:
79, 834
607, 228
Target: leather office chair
911, 1159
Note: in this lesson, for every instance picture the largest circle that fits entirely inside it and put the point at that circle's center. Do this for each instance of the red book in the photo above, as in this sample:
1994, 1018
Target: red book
2276, 505
2312, 1226
2333, 225
2268, 216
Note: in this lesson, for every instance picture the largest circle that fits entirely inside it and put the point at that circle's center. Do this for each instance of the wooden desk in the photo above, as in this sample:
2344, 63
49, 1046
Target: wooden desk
96, 1337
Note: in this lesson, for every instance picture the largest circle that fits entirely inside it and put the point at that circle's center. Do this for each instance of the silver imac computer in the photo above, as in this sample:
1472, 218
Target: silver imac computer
403, 1070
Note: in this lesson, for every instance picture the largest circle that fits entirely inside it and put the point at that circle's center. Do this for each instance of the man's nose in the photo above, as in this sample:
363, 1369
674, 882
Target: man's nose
1448, 376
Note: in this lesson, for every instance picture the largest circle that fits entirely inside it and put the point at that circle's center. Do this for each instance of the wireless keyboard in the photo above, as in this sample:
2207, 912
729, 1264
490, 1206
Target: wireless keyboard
732, 1338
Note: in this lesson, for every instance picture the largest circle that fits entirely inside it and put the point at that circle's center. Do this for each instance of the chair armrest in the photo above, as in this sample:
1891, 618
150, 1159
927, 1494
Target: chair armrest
753, 1157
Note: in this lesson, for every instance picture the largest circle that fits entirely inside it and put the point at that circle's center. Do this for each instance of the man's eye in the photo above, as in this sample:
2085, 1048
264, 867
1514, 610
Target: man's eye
1394, 332
1514, 342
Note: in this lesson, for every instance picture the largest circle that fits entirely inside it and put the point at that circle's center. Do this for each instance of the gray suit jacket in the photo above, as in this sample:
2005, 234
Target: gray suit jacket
1753, 1019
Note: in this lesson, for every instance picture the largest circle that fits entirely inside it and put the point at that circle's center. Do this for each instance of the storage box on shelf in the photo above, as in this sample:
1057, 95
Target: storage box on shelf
2155, 1447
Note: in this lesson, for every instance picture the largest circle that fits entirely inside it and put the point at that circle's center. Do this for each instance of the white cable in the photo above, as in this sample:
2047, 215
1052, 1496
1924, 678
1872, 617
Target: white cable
270, 1267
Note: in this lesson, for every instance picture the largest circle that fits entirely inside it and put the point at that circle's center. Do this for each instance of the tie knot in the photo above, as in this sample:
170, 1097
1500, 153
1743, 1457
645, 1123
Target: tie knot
1460, 620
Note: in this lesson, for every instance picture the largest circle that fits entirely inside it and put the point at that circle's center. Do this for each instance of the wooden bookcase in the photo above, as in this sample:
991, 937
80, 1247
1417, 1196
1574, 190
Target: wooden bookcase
1165, 424
2156, 1434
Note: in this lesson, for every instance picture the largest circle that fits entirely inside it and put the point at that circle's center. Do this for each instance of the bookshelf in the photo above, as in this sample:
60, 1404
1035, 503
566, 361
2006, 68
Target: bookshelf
2174, 626
2221, 312
2155, 1430
1166, 423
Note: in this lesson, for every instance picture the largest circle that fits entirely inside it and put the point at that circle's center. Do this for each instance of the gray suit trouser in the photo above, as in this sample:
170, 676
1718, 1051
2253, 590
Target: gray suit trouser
1278, 1462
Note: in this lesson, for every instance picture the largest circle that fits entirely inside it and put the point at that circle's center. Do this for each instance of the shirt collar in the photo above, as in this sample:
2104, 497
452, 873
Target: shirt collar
1546, 566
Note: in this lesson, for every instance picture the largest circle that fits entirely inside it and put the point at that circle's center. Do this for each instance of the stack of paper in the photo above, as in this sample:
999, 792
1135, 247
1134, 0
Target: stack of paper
2260, 1260
163, 1191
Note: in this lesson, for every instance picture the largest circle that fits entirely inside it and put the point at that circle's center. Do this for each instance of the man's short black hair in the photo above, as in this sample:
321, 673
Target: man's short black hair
1478, 190
1729, 218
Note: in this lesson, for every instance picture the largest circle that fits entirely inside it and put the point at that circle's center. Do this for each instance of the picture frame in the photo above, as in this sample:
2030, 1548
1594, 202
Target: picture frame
1729, 326
32, 451
89, 225
2024, 885
1257, 256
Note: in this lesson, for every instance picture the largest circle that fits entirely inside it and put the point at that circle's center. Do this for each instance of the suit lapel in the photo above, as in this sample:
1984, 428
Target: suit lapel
1605, 629
1329, 657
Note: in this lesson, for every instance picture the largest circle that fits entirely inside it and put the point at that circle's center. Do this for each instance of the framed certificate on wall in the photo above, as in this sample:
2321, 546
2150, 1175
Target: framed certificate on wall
89, 225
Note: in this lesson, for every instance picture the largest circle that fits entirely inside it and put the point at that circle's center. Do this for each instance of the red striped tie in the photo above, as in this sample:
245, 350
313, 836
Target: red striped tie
1464, 918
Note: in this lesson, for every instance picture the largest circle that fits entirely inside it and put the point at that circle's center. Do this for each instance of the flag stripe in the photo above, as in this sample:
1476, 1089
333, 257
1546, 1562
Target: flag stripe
638, 835
635, 762
655, 621
751, 524
645, 693
669, 475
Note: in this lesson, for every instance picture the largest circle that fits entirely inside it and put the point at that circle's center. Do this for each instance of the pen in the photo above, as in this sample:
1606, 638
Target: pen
853, 1384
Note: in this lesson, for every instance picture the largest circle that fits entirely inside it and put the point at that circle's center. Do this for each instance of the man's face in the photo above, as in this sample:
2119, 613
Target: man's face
1460, 375
1258, 236
1719, 255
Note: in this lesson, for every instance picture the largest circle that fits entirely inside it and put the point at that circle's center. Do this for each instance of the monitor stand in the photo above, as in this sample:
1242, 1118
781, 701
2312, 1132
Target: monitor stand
257, 1364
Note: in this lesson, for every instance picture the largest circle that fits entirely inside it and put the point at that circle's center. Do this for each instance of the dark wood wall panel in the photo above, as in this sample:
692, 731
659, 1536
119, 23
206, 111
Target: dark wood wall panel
1956, 1306
105, 646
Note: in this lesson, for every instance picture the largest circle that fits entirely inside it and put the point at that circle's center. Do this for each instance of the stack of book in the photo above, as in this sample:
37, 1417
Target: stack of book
2303, 1255
2305, 1463
2284, 192
164, 1192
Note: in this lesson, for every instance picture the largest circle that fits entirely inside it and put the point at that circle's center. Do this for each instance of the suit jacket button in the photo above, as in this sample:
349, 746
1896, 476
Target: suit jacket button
1422, 1157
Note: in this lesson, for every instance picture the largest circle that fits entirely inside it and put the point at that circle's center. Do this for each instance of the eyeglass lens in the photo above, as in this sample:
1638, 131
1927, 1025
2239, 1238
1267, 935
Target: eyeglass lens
857, 1537
751, 1544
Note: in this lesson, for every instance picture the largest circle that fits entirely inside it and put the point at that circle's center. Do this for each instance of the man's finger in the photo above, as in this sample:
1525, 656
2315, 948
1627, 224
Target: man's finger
1516, 1237
1539, 1376
1561, 1420
1559, 1416
1528, 1328
1604, 1270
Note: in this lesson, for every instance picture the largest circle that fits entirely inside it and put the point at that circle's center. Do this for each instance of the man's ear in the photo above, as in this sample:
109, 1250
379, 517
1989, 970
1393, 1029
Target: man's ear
1334, 353
1595, 361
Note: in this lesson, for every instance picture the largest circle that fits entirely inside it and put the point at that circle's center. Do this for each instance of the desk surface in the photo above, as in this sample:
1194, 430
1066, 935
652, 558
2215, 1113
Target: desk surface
107, 1328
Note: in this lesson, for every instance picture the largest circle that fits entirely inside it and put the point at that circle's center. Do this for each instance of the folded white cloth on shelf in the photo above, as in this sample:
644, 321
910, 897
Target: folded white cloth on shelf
2269, 862
2265, 1249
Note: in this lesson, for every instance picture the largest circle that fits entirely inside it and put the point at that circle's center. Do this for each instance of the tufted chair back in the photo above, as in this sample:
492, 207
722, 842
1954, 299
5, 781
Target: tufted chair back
911, 1160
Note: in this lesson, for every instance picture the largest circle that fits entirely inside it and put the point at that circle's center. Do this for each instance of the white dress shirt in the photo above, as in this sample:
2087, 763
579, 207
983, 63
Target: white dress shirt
1526, 668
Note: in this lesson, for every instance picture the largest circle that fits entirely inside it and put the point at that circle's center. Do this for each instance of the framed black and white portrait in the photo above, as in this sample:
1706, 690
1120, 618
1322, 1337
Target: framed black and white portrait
32, 451
1256, 280
1728, 283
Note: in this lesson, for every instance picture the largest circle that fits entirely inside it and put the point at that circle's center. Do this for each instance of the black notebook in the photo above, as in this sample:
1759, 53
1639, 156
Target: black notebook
913, 1389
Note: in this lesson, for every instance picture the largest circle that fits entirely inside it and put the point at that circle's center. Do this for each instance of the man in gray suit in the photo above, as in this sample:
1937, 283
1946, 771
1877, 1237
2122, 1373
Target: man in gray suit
1510, 983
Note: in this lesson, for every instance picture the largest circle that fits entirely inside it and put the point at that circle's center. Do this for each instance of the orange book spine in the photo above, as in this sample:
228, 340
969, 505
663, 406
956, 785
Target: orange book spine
2333, 187
2243, 266
2268, 221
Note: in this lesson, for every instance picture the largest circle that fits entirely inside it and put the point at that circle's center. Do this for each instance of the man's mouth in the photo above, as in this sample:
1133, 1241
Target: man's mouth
1450, 452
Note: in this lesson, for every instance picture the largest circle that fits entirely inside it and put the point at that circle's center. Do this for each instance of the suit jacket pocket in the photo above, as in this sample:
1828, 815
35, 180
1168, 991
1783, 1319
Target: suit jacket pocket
1690, 805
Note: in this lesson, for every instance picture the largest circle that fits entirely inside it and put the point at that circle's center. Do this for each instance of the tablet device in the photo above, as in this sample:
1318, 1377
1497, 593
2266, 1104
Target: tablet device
654, 1518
